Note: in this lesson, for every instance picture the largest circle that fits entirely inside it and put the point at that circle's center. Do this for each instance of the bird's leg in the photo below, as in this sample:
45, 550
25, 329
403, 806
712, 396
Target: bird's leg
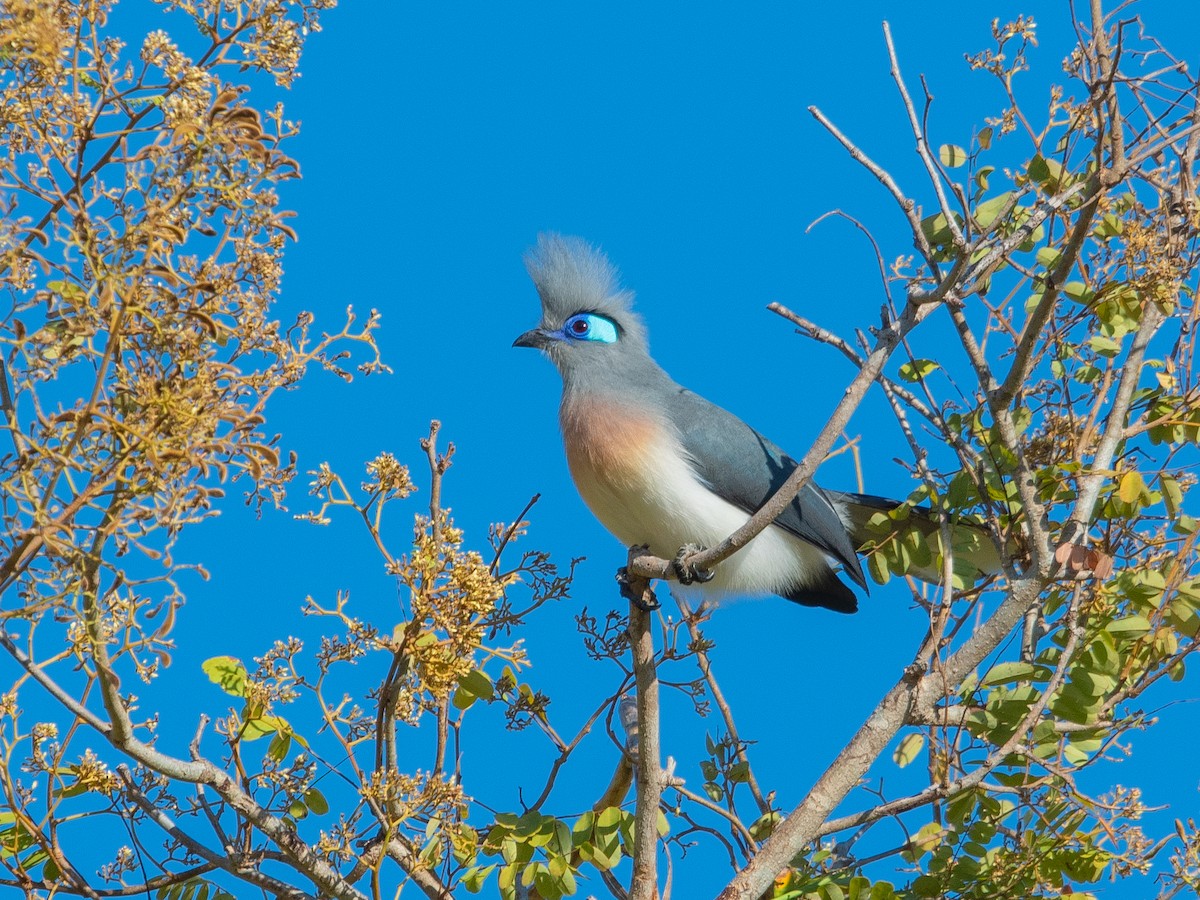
635, 588
685, 571
637, 591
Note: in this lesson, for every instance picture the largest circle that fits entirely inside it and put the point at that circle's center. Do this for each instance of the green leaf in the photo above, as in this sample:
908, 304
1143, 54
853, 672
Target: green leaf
316, 801
547, 885
1172, 494
917, 369
280, 744
462, 698
762, 827
35, 858
1129, 626
477, 683
73, 791
878, 567
68, 290
1095, 684
1048, 257
507, 877
1132, 487
1105, 346
924, 841
1079, 292
1109, 226
952, 156
937, 230
563, 838
582, 829
508, 850
260, 726
606, 856
908, 749
567, 881
1008, 673
628, 831
983, 176
1048, 173
530, 824
609, 819
986, 212
1072, 710
661, 823
529, 873
475, 876
228, 673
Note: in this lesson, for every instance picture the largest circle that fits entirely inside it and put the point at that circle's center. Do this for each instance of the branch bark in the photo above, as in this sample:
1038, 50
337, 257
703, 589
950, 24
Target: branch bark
648, 768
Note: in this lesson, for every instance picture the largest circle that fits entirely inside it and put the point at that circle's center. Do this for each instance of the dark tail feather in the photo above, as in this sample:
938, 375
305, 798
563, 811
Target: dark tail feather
829, 593
975, 555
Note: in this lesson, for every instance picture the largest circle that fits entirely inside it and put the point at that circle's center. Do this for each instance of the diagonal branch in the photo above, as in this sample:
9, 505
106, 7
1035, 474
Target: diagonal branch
888, 337
912, 694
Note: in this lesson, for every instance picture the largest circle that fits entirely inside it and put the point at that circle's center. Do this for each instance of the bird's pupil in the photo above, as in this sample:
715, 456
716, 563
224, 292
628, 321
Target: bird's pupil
579, 326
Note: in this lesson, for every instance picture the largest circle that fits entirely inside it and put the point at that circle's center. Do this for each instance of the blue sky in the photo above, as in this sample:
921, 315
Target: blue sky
438, 140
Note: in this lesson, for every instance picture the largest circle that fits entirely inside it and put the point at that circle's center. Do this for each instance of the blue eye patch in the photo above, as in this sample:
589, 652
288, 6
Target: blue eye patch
591, 327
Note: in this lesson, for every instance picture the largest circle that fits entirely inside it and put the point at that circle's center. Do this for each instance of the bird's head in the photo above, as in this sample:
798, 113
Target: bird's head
588, 326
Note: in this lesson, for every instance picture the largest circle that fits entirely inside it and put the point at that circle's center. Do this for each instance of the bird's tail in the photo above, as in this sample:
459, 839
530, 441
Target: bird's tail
916, 538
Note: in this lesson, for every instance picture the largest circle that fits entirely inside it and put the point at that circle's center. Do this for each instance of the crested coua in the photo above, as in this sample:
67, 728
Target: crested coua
661, 466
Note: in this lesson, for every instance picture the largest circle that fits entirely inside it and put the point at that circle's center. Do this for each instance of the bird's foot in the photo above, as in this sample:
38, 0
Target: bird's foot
685, 571
635, 588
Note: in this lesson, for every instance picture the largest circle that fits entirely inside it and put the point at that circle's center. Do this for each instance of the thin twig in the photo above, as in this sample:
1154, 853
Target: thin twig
705, 665
935, 174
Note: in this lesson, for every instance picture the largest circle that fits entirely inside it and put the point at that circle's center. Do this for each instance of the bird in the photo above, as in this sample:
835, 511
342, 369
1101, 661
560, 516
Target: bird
662, 467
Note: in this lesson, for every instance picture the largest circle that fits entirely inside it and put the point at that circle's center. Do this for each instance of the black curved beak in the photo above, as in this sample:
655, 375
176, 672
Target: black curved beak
535, 337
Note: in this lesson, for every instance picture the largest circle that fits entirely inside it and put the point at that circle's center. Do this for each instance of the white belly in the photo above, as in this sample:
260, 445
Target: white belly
647, 493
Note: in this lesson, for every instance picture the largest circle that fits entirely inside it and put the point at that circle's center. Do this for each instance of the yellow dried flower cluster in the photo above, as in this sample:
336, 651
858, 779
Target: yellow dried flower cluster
420, 795
1158, 276
389, 477
451, 594
91, 774
35, 32
338, 843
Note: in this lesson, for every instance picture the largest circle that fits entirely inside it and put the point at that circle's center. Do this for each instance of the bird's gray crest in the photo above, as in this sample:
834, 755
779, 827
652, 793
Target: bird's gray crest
573, 276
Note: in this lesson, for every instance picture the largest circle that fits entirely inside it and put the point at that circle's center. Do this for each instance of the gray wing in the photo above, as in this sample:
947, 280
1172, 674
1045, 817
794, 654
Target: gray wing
745, 469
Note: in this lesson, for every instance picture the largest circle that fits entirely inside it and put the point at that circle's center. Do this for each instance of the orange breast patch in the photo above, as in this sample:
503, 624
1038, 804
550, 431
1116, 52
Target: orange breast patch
609, 442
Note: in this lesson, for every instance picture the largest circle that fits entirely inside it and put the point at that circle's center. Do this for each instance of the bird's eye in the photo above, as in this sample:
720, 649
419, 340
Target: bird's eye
591, 327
